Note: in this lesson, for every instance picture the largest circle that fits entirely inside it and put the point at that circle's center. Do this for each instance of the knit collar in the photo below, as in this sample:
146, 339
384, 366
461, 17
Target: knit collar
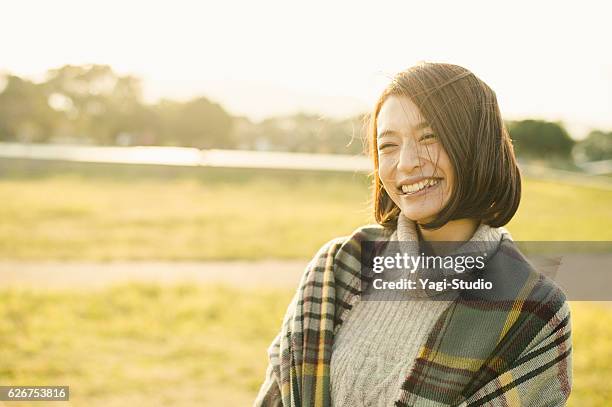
484, 242
406, 231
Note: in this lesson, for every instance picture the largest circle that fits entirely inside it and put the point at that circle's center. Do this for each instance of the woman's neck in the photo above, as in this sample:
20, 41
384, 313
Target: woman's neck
456, 230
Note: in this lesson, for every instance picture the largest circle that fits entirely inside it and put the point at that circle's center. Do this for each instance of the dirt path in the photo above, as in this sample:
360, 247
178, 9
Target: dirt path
57, 275
89, 275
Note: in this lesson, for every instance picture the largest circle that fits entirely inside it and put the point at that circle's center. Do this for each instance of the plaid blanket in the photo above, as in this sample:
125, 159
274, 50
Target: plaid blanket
513, 351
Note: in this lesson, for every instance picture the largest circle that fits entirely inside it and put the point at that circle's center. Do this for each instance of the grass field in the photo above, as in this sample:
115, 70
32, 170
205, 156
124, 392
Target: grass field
184, 345
104, 212
140, 345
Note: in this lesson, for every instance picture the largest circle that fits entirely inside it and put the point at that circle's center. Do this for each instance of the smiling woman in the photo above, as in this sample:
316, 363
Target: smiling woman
444, 170
446, 127
412, 165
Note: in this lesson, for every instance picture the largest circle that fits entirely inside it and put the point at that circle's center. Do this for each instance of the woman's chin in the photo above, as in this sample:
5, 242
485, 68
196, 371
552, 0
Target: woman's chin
420, 215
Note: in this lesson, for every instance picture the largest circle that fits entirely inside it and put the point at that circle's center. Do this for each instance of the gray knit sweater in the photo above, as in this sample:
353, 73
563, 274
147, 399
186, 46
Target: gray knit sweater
378, 342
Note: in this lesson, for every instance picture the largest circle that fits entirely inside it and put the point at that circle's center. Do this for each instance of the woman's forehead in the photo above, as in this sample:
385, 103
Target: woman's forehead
399, 114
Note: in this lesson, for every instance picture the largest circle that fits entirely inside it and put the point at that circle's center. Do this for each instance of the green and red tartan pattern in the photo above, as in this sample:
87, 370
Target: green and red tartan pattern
495, 353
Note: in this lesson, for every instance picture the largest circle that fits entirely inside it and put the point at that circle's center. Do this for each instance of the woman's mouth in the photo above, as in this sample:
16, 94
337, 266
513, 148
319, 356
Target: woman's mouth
417, 187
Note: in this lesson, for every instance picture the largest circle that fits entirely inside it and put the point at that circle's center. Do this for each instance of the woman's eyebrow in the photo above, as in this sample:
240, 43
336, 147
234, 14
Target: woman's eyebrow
386, 133
418, 126
421, 125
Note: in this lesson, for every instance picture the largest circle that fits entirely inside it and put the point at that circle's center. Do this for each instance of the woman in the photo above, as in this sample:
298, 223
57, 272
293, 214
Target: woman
444, 170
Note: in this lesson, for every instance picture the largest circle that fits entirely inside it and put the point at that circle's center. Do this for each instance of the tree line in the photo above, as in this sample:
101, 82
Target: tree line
93, 104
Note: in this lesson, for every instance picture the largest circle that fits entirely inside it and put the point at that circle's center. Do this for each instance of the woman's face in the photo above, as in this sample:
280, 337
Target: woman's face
413, 166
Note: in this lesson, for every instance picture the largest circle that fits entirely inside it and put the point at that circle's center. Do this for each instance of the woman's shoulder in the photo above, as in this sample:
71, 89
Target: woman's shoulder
351, 243
516, 276
346, 250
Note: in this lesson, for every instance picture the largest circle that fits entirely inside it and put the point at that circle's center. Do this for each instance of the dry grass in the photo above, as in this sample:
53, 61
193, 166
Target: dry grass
102, 212
185, 345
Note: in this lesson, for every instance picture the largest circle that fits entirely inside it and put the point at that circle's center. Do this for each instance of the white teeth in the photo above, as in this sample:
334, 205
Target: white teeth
417, 186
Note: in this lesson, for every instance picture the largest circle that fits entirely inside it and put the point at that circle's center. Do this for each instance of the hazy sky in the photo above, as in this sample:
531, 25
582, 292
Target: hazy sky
544, 59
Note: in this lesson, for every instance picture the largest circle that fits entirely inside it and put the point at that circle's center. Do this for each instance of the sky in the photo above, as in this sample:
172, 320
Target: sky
545, 59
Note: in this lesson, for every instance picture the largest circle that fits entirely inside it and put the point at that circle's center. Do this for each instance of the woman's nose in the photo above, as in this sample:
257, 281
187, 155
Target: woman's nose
409, 158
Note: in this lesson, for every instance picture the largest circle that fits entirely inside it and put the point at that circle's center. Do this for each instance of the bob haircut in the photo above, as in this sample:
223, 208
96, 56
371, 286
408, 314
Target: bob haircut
463, 112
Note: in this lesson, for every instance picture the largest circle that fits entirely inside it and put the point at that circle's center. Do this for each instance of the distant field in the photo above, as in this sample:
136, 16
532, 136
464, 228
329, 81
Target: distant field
140, 345
54, 210
206, 345
186, 345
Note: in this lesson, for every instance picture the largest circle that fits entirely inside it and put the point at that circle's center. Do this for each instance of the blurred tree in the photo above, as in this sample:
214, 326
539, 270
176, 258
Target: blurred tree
25, 114
92, 103
347, 136
99, 103
541, 139
248, 135
196, 123
303, 132
596, 146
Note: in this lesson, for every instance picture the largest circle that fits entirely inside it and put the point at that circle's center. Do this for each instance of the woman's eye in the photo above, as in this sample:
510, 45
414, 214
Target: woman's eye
426, 137
383, 146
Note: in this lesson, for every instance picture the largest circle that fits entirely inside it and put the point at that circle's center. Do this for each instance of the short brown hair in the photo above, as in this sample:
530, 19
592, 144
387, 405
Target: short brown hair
463, 112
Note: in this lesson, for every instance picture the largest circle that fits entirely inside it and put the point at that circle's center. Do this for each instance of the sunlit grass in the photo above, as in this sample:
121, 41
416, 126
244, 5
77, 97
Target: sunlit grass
103, 212
185, 345
193, 345
212, 214
592, 353
557, 211
146, 344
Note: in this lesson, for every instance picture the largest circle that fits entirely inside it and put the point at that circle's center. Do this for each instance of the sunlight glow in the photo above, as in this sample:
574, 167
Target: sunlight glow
544, 59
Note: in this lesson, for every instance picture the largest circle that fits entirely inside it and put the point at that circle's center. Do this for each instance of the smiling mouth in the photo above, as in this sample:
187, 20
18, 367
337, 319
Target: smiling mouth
411, 189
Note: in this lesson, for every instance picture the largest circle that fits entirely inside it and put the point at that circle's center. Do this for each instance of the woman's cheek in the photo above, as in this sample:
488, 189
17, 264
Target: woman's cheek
385, 166
386, 177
